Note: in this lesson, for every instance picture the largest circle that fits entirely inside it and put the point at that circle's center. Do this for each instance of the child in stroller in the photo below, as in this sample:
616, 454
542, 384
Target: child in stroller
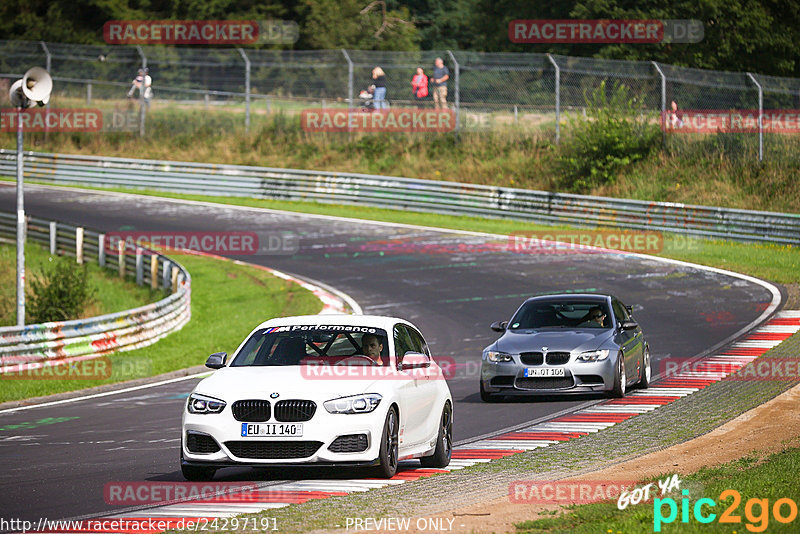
366, 99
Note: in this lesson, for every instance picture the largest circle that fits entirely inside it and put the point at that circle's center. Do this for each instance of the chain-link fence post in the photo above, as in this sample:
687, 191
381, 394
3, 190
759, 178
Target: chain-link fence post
662, 121
760, 117
349, 79
246, 90
457, 83
558, 97
48, 62
141, 90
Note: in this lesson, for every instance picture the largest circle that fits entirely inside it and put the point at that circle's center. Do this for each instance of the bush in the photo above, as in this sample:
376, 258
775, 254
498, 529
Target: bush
60, 293
612, 136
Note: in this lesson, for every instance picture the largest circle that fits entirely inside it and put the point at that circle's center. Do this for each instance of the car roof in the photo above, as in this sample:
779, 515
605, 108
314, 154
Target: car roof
591, 297
375, 321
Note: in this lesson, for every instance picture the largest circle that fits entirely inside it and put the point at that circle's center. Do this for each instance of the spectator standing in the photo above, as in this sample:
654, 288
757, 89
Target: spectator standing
379, 80
440, 76
142, 82
419, 86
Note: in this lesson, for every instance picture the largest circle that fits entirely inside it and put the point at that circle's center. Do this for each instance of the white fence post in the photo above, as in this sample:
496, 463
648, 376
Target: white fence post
79, 245
53, 235
101, 250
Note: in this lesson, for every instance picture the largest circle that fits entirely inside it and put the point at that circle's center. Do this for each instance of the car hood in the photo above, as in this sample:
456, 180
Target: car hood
289, 382
566, 340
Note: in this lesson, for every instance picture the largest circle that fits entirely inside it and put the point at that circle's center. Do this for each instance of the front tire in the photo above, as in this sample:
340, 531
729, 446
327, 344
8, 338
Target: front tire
486, 396
620, 380
444, 443
388, 453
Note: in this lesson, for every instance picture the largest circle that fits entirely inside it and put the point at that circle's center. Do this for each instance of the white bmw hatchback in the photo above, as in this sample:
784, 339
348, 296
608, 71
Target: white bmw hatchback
352, 390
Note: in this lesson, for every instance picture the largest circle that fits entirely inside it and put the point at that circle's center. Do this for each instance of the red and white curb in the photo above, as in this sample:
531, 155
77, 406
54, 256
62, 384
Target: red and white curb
562, 428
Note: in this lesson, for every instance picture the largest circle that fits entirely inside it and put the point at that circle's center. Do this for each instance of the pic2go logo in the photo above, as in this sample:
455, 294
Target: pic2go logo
756, 511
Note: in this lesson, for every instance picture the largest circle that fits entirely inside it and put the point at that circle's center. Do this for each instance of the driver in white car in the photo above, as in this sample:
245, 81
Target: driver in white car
371, 346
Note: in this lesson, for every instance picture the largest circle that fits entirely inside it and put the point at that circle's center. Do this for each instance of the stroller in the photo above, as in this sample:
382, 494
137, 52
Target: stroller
366, 99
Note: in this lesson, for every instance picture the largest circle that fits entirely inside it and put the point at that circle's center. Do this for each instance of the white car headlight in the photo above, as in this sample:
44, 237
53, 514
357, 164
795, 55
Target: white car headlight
494, 356
356, 404
593, 355
204, 404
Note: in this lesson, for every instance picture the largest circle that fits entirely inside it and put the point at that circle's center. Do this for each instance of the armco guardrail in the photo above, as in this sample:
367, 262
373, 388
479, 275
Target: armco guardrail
451, 198
88, 338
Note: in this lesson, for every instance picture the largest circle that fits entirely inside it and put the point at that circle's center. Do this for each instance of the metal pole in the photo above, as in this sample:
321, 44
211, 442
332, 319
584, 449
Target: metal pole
558, 97
760, 117
349, 79
141, 91
20, 227
48, 61
457, 83
663, 103
88, 94
246, 90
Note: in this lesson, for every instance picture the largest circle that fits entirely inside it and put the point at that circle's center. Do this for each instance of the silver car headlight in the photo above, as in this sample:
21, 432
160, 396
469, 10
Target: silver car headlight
593, 355
356, 404
199, 403
496, 357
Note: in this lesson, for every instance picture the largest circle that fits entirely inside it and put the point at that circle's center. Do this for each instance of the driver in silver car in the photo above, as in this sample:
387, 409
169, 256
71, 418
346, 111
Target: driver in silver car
595, 319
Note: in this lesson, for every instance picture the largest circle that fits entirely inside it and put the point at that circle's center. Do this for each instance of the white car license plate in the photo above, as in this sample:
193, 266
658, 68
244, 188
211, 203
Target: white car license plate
272, 429
544, 372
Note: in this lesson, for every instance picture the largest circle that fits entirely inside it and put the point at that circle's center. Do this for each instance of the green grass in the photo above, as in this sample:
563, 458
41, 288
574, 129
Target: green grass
228, 301
111, 294
773, 477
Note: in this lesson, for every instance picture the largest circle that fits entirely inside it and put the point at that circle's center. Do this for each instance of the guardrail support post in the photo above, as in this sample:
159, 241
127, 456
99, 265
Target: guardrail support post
457, 84
760, 117
174, 277
154, 271
53, 235
165, 273
246, 90
79, 245
139, 266
101, 250
663, 120
558, 97
121, 255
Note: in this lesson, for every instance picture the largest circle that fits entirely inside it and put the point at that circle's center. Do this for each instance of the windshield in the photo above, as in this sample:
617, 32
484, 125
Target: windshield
314, 345
561, 314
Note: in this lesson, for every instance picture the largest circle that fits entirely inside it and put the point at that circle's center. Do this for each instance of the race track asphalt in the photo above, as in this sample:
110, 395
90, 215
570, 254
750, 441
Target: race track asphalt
56, 460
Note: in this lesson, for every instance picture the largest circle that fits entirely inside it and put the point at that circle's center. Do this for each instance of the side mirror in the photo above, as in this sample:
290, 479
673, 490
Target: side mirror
629, 325
414, 360
499, 326
217, 360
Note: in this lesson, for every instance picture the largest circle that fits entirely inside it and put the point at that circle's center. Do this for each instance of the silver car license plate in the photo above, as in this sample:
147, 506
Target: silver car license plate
544, 372
272, 429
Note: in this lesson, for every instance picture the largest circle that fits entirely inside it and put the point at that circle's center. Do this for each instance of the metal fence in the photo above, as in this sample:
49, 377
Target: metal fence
88, 338
450, 198
487, 90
